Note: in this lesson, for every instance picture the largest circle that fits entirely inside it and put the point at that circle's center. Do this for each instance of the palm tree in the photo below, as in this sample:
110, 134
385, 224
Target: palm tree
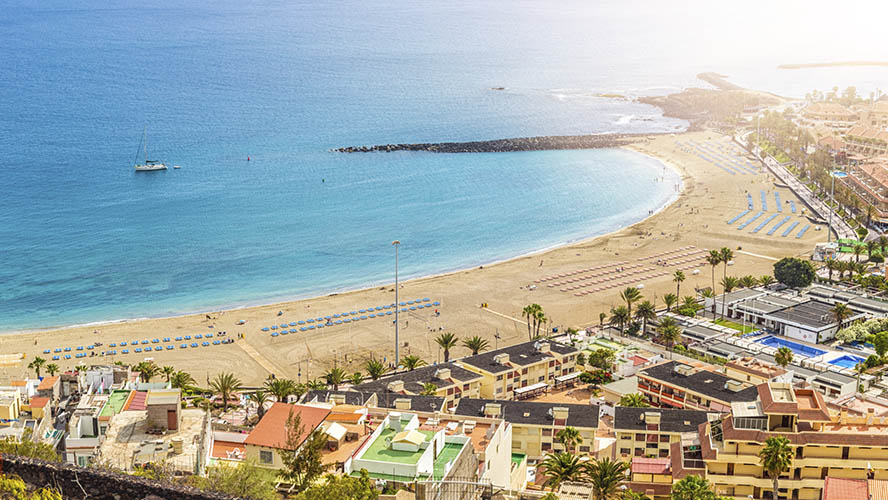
840, 312
830, 265
52, 369
748, 281
335, 376
634, 400
356, 378
168, 371
669, 334
181, 380
260, 398
619, 316
783, 356
606, 476
531, 313
670, 299
693, 487
225, 384
871, 245
561, 467
375, 368
147, 370
645, 312
776, 458
713, 259
540, 319
601, 317
446, 341
412, 362
569, 437
883, 244
280, 388
690, 302
726, 255
429, 389
860, 369
316, 385
476, 344
678, 277
729, 283
857, 250
36, 365
631, 295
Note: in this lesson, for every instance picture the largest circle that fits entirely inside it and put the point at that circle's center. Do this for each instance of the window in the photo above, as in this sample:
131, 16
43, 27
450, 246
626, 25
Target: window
547, 432
524, 371
639, 437
664, 453
266, 457
623, 451
82, 461
585, 449
546, 446
466, 387
499, 390
664, 439
541, 378
499, 377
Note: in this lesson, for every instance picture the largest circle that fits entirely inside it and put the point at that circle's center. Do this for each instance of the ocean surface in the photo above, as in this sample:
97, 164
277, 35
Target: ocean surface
83, 238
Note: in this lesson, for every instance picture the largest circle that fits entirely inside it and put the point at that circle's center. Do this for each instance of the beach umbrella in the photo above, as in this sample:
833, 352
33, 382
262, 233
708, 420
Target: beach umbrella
300, 322
426, 299
292, 324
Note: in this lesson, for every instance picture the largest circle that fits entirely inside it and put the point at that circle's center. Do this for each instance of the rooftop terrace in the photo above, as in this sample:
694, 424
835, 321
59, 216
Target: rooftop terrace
380, 451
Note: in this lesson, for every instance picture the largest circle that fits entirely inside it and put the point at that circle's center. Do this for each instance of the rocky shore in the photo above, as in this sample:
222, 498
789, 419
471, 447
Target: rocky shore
508, 145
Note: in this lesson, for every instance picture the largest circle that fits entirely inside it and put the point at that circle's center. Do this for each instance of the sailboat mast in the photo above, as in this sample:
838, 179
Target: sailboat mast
145, 138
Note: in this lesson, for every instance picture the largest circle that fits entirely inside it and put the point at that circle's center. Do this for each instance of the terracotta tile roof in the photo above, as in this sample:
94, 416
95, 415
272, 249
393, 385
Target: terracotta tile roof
637, 360
18, 383
38, 402
867, 132
836, 488
830, 109
47, 383
878, 488
805, 436
641, 465
272, 429
351, 418
222, 449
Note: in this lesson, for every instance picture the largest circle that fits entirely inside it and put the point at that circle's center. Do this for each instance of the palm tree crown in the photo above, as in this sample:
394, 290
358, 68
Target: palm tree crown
36, 365
783, 356
630, 295
446, 341
634, 400
561, 467
678, 277
225, 384
606, 476
776, 458
412, 362
375, 368
335, 376
569, 437
646, 311
476, 344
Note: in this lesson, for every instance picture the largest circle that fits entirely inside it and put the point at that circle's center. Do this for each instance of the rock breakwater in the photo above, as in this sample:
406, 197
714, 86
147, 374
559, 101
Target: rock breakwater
507, 145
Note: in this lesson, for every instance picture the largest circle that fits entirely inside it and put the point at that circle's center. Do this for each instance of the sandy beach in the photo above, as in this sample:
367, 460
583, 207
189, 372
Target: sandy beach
696, 219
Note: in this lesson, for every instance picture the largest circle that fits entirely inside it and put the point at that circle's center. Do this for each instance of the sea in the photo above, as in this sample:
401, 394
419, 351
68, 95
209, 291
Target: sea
249, 99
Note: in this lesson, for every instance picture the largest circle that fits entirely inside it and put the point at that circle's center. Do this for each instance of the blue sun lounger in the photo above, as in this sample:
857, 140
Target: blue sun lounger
790, 228
775, 228
764, 223
777, 200
750, 221
792, 207
738, 217
802, 232
764, 202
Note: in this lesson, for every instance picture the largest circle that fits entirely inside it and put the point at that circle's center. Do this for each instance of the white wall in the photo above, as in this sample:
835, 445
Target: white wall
499, 457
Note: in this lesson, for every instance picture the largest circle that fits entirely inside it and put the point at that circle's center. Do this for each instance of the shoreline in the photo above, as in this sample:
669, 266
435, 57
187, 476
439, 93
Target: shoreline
673, 198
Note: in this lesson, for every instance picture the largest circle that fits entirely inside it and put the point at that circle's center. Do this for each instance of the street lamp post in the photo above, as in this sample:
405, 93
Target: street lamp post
396, 244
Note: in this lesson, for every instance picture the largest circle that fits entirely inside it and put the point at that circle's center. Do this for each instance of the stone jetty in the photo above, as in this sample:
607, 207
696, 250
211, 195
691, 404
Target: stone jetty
507, 145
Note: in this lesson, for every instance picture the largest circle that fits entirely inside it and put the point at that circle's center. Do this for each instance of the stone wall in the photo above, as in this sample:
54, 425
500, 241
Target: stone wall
95, 484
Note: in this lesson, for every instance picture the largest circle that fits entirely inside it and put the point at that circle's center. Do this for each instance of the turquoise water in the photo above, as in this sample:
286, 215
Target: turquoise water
847, 361
83, 238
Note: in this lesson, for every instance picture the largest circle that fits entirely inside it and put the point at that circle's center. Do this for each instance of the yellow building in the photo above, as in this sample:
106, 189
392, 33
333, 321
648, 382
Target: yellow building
823, 445
536, 425
452, 382
523, 370
10, 405
269, 438
650, 432
695, 386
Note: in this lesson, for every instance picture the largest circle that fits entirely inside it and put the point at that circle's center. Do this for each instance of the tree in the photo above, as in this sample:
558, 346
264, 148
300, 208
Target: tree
883, 244
532, 313
725, 255
316, 384
14, 488
37, 365
857, 250
335, 376
606, 476
678, 277
447, 341
860, 369
793, 272
689, 306
168, 371
260, 398
540, 319
776, 458
147, 370
841, 312
302, 454
581, 359
26, 447
693, 488
669, 334
783, 356
52, 369
356, 378
713, 259
634, 400
412, 362
620, 316
601, 317
476, 344
748, 281
225, 385
569, 437
602, 358
429, 389
830, 265
561, 467
646, 311
670, 299
375, 368
247, 480
181, 380
729, 283
871, 246
630, 295
280, 388
339, 487
880, 342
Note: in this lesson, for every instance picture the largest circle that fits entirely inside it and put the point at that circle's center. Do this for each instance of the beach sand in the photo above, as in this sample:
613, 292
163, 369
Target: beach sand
711, 196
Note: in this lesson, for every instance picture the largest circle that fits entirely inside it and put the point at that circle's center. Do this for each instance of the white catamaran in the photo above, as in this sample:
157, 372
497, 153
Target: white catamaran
149, 165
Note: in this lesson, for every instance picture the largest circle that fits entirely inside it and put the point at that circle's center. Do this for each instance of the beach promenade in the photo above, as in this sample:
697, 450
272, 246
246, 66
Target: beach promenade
590, 274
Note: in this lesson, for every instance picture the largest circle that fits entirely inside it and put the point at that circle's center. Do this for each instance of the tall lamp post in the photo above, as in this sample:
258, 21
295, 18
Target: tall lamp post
396, 244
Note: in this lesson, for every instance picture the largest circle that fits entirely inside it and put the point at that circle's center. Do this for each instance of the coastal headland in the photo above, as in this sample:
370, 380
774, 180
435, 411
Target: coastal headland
697, 218
506, 145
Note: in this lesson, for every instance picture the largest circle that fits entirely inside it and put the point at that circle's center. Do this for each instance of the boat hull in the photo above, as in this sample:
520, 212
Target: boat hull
150, 168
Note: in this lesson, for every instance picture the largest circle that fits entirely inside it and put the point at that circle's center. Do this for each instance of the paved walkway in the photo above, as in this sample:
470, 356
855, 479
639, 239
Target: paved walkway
506, 316
262, 360
760, 256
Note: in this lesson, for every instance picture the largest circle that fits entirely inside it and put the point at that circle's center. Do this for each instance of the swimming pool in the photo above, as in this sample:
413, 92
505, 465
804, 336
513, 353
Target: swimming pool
846, 361
795, 347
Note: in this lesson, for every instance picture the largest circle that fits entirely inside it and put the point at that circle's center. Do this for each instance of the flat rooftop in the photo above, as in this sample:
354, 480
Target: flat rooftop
814, 314
379, 450
129, 429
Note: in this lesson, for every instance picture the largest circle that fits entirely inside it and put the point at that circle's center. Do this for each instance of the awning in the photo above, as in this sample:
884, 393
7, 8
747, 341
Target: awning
565, 378
531, 388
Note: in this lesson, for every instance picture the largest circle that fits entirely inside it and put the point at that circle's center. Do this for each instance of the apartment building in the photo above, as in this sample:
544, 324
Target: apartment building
451, 382
869, 180
828, 114
650, 432
535, 425
678, 385
823, 444
269, 437
523, 370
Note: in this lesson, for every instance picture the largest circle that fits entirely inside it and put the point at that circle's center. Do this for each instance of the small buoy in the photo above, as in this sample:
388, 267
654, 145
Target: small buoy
248, 158
323, 180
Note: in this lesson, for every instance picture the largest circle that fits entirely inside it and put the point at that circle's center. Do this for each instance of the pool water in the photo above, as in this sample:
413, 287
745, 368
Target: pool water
795, 347
847, 361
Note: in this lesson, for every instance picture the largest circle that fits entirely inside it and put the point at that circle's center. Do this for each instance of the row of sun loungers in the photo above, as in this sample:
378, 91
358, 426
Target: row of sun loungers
764, 223
628, 282
612, 270
790, 228
662, 254
802, 232
581, 271
782, 222
750, 221
738, 217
